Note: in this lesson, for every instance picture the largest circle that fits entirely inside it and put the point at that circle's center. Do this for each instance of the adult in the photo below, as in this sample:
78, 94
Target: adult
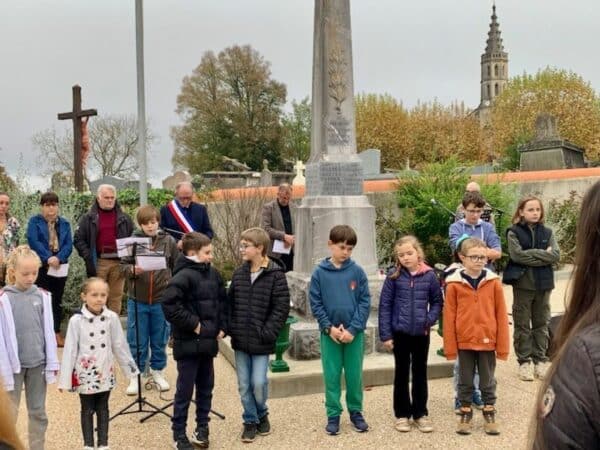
277, 221
9, 233
95, 241
183, 215
487, 214
49, 235
568, 405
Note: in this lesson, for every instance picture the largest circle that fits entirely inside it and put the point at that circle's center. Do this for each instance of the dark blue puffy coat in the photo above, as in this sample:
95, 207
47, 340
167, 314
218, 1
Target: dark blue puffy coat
410, 304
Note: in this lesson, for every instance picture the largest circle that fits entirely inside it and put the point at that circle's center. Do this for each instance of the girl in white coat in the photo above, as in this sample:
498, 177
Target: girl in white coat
94, 339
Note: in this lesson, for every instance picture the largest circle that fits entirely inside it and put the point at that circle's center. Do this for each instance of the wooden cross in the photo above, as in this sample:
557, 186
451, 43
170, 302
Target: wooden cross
76, 115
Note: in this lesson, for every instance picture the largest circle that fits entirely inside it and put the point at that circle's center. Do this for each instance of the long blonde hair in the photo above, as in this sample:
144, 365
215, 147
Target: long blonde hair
408, 239
19, 253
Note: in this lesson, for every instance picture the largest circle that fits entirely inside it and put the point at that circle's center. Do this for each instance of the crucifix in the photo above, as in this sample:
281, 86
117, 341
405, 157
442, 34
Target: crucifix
76, 116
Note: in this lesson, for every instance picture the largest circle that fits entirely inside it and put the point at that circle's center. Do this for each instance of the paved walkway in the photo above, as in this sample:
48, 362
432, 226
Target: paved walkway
299, 421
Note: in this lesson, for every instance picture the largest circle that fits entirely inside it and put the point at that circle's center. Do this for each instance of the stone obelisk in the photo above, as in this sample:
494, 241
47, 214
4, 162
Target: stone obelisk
334, 174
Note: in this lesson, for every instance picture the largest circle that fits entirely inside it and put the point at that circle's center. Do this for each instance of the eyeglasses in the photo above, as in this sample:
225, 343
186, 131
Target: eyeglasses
474, 211
245, 246
477, 258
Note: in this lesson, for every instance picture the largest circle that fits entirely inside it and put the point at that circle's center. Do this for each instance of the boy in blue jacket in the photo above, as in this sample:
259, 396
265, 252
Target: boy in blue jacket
340, 301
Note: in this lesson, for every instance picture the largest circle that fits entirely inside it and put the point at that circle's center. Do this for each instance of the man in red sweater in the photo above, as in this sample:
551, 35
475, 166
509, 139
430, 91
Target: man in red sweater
95, 241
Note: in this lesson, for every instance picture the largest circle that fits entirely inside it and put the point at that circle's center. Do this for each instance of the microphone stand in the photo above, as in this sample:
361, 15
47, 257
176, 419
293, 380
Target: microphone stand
139, 401
434, 202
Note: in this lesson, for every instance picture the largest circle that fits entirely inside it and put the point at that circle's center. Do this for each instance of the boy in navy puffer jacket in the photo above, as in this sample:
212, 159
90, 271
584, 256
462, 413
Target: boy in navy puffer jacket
410, 304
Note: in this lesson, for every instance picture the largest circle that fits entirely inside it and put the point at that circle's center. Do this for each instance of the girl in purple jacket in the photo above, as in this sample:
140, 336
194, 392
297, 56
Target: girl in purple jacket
410, 304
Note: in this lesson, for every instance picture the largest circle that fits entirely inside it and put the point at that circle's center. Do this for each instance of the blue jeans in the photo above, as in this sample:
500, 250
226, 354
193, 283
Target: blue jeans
253, 385
154, 333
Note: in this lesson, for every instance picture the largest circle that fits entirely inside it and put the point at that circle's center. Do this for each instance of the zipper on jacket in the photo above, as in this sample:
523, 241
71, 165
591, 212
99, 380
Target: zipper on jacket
412, 303
151, 287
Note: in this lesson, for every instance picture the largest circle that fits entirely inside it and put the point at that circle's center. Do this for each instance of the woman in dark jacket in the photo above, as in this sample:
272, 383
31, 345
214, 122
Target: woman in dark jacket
568, 408
411, 302
49, 235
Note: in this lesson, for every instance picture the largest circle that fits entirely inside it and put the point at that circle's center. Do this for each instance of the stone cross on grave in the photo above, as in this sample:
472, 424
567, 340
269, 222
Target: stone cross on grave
76, 116
299, 169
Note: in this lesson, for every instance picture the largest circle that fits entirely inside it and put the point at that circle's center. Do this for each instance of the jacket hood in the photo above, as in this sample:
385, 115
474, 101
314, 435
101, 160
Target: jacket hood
273, 265
186, 263
421, 269
328, 265
455, 277
15, 290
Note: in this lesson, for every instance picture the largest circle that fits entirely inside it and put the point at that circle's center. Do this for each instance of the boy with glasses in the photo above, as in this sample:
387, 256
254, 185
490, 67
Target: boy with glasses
475, 331
259, 303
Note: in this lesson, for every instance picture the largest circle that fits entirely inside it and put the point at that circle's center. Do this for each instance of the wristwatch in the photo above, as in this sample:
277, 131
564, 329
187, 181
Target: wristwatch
327, 330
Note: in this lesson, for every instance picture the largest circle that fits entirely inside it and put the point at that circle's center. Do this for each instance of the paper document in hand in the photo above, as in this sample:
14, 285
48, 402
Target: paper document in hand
148, 262
279, 247
125, 245
61, 272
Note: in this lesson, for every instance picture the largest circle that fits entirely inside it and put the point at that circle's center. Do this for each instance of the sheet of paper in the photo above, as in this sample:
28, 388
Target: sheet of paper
149, 263
61, 272
125, 245
279, 247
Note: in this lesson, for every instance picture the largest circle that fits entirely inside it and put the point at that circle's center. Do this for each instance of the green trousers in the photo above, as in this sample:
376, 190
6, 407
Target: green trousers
334, 358
531, 316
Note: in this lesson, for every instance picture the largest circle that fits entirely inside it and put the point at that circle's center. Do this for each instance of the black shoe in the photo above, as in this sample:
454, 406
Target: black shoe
200, 436
264, 427
333, 425
249, 433
182, 443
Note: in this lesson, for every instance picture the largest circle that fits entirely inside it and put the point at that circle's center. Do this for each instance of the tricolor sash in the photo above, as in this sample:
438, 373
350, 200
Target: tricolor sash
179, 217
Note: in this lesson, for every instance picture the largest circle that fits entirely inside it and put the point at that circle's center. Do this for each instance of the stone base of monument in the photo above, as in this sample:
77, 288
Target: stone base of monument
306, 377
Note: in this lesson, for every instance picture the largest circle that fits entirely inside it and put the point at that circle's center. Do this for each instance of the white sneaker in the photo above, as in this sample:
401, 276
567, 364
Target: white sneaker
87, 447
526, 372
403, 425
160, 380
540, 370
132, 389
424, 425
104, 447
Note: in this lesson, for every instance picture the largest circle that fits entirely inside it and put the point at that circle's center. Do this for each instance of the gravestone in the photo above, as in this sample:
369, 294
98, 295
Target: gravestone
371, 163
334, 175
266, 176
118, 182
172, 180
548, 150
299, 179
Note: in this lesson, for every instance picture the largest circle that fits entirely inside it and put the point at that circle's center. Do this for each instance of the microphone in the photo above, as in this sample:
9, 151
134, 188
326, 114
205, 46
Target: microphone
170, 230
434, 202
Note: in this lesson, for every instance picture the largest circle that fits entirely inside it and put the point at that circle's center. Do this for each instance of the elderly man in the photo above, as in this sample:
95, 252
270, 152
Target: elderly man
487, 214
96, 242
278, 222
182, 215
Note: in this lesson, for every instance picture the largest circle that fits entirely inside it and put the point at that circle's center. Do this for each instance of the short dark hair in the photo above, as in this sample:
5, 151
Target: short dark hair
49, 198
146, 213
473, 197
194, 241
343, 233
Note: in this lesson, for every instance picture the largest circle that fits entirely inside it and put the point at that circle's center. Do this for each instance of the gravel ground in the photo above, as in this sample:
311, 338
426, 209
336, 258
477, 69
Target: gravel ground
299, 420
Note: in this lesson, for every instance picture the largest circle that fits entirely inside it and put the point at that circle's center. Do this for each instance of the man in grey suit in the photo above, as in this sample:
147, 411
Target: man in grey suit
278, 223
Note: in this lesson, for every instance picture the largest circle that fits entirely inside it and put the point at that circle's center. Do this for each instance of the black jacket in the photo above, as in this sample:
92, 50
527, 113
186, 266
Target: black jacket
87, 231
258, 311
195, 294
573, 420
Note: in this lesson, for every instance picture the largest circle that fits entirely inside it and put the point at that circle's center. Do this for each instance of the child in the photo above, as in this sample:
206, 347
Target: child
94, 339
27, 341
259, 302
475, 330
532, 250
410, 304
147, 289
195, 304
340, 301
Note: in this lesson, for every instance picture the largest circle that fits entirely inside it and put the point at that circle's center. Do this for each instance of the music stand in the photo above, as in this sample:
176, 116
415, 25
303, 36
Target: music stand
139, 401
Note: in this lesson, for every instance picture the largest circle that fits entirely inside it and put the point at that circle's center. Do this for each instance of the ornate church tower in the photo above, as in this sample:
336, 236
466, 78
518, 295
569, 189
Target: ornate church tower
494, 69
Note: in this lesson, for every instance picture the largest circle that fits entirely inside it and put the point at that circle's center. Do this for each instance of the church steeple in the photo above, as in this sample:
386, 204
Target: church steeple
494, 64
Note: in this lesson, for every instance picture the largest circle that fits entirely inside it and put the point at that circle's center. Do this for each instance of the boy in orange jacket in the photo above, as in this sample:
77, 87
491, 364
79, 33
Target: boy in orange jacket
475, 330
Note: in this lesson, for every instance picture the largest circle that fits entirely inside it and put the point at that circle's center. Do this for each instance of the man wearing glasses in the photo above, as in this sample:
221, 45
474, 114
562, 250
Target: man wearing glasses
182, 215
472, 225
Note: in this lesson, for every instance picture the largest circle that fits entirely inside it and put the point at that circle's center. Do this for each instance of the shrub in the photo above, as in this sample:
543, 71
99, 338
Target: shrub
563, 216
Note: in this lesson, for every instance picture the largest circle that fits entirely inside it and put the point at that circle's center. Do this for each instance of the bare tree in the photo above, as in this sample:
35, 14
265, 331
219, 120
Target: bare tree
113, 141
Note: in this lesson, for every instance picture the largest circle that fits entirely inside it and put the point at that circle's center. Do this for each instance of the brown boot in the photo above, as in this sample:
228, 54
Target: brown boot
60, 342
490, 426
465, 424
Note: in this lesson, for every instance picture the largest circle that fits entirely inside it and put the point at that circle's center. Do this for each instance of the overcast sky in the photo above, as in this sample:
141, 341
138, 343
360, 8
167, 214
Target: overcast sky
413, 50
